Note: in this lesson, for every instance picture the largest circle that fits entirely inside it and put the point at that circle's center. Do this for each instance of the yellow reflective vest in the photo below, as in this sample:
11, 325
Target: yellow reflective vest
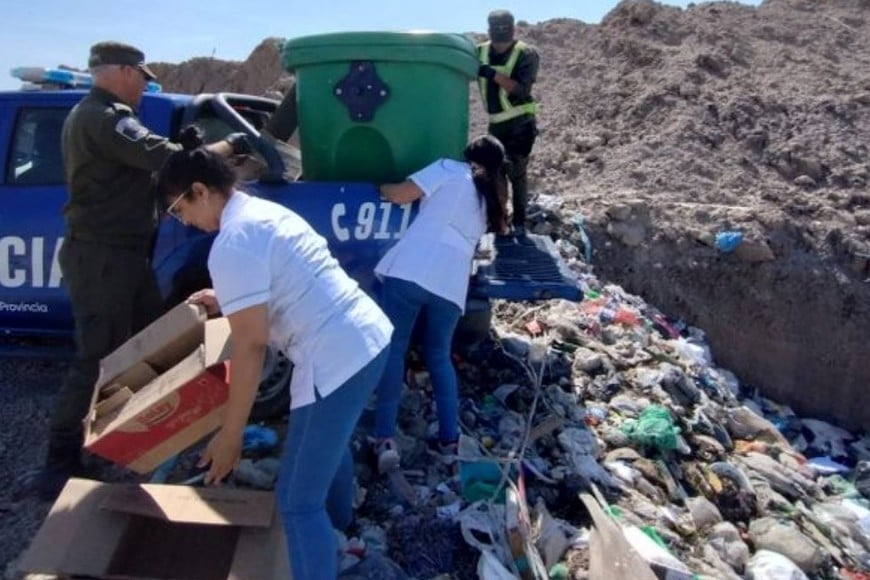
508, 110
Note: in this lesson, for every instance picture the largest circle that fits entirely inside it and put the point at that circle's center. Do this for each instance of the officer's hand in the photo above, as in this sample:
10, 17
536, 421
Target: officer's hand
239, 142
486, 72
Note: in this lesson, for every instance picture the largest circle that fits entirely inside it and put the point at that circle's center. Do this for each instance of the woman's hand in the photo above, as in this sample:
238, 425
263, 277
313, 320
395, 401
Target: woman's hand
222, 455
207, 299
250, 332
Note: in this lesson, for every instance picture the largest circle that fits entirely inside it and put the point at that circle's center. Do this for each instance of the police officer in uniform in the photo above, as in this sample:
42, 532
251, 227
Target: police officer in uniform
508, 69
109, 158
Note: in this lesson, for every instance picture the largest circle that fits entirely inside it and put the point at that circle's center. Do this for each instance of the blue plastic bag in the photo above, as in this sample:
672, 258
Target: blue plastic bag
728, 241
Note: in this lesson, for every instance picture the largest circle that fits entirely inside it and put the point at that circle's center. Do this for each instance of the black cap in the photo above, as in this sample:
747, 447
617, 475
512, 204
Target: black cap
119, 53
501, 26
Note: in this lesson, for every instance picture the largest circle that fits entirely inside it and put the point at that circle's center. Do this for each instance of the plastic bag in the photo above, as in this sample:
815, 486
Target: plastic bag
767, 565
552, 541
482, 527
489, 568
727, 242
692, 353
653, 429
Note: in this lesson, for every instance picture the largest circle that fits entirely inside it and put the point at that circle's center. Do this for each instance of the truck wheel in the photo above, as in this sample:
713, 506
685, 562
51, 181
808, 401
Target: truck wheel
273, 396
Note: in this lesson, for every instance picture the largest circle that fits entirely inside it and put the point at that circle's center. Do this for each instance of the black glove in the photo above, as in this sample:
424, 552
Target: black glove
239, 142
486, 72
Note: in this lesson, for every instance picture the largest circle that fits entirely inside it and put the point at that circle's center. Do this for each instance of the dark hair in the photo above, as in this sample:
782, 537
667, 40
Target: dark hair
486, 153
191, 164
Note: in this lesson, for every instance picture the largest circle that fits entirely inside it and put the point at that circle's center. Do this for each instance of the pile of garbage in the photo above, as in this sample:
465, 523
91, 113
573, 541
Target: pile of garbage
599, 439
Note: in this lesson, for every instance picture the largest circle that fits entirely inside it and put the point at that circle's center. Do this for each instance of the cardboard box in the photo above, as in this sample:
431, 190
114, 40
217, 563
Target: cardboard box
161, 391
104, 530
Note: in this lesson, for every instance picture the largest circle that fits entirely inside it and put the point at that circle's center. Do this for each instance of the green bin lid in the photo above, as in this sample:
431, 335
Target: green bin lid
449, 49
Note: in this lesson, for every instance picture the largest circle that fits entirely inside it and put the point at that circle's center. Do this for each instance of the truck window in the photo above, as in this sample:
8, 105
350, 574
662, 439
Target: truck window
216, 128
35, 157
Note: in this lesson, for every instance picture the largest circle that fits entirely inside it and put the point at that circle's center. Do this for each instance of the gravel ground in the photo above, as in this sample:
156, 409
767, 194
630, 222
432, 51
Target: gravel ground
26, 390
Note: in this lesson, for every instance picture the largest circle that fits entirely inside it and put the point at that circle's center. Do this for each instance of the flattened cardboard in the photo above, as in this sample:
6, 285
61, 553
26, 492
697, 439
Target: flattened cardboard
166, 414
84, 534
193, 505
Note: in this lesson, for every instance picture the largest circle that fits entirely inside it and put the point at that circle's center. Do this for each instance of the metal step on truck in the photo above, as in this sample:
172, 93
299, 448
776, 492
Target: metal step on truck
372, 108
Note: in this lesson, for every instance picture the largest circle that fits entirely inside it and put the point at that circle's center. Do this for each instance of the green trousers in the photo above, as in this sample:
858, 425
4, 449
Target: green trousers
518, 137
114, 294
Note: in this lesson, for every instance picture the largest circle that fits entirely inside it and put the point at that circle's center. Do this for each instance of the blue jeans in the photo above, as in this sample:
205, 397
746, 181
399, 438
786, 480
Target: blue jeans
315, 486
403, 302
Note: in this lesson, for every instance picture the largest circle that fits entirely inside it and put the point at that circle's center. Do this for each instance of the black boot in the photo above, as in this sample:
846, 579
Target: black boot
63, 460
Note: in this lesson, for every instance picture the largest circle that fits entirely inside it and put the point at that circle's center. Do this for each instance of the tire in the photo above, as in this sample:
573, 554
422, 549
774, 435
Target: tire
273, 396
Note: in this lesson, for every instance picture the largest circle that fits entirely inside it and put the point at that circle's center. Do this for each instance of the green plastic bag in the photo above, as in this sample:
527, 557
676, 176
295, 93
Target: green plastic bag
654, 429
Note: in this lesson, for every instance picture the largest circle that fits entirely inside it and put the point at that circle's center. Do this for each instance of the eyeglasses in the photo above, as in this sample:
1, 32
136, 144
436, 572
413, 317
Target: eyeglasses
171, 209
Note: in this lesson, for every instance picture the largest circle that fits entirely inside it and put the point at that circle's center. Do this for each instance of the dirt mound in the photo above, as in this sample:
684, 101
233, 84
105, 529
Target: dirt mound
664, 127
667, 126
260, 74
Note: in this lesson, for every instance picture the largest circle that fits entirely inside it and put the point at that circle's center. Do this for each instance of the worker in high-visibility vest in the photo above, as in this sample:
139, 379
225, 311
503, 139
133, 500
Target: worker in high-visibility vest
508, 69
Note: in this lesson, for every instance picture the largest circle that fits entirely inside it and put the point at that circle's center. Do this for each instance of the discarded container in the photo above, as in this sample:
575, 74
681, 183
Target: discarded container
377, 106
103, 530
161, 391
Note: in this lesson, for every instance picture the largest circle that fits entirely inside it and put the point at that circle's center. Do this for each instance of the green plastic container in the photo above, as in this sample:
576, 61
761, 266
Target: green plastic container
377, 106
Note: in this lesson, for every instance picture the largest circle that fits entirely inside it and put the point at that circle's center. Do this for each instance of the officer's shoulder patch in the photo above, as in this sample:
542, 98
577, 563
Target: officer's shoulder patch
130, 128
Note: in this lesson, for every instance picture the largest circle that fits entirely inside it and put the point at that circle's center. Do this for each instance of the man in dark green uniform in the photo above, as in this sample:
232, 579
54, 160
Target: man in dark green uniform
508, 69
110, 216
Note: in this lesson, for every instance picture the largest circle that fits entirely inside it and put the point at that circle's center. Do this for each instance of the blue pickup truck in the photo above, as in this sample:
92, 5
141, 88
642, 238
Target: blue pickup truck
358, 225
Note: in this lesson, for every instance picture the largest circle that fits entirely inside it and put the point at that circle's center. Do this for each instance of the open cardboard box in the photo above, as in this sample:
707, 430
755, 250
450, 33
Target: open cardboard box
161, 391
104, 530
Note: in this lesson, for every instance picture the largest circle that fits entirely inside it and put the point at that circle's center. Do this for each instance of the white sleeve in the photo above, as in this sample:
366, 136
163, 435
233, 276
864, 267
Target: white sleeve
432, 177
240, 278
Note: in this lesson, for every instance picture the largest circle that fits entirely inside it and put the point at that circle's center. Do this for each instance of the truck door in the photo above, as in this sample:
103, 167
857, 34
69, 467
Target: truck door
32, 193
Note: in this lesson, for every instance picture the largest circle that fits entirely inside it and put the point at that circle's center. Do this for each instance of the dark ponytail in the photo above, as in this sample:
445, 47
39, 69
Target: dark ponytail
191, 164
486, 155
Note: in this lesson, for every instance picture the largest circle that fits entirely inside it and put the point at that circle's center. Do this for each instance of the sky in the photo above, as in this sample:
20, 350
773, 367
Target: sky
52, 32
